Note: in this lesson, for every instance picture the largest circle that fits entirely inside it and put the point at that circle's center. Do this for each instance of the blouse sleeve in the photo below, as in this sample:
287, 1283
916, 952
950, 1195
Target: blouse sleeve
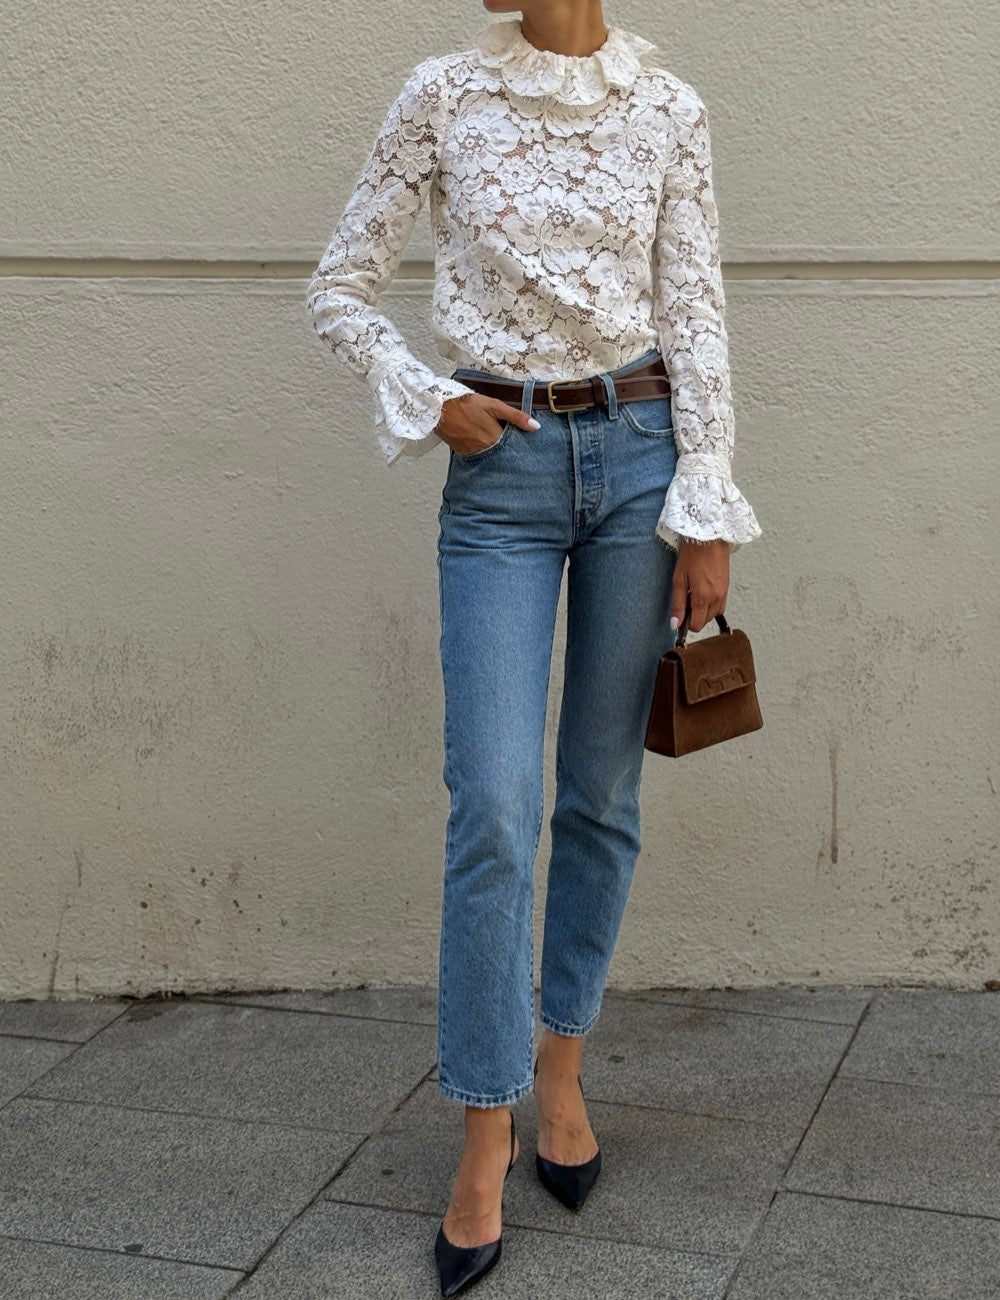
362, 258
702, 502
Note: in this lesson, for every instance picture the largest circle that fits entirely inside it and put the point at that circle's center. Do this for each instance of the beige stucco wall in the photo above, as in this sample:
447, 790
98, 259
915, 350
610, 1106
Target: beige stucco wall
220, 751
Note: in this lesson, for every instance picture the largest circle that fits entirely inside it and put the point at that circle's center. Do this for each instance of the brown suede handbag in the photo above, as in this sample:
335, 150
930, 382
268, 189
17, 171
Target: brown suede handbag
705, 692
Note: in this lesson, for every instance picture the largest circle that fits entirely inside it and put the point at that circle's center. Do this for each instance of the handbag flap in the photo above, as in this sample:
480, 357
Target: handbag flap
714, 665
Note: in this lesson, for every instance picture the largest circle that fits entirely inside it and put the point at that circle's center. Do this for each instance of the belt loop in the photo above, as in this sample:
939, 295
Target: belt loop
527, 395
609, 384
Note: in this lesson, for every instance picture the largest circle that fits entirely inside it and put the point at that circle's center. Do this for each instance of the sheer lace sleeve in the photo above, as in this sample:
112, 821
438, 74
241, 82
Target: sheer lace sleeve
362, 257
702, 502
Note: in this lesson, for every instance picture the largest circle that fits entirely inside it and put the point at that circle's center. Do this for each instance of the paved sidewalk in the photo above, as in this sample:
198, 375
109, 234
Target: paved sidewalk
776, 1144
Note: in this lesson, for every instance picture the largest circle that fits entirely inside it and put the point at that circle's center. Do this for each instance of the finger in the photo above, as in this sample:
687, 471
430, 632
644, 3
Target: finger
699, 614
514, 414
678, 601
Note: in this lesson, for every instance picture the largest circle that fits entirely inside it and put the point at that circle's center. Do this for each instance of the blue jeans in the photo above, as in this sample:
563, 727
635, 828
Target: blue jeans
586, 487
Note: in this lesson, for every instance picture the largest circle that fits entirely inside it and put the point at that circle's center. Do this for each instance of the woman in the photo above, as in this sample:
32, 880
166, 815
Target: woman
569, 178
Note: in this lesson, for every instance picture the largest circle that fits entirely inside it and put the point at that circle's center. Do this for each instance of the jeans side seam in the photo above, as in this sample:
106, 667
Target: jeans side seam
447, 848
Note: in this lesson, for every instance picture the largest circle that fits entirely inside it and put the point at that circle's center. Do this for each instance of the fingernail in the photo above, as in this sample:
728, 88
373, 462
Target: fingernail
533, 423
674, 622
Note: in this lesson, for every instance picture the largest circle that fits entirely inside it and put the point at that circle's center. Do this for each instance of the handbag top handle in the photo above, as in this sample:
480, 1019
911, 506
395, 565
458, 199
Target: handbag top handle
682, 631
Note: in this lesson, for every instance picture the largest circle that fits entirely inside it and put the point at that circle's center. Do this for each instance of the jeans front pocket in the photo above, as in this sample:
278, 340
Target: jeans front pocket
650, 415
473, 456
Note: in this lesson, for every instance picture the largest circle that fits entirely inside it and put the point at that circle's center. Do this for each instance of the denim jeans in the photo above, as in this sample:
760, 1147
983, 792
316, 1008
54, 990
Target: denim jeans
587, 487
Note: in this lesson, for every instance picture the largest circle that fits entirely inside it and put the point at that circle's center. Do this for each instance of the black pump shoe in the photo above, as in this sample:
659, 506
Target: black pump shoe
460, 1267
570, 1184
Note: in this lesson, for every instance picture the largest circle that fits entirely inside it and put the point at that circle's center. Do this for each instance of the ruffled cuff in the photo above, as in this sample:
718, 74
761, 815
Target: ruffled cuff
408, 402
704, 504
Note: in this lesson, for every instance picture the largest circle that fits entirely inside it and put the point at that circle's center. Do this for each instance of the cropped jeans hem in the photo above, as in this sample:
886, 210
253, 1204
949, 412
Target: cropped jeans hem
568, 1031
483, 1099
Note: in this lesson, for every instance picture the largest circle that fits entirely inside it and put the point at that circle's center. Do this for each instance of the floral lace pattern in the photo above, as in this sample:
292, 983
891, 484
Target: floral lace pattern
575, 228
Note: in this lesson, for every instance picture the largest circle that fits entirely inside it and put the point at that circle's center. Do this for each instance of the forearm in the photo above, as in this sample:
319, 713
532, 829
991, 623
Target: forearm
703, 504
363, 254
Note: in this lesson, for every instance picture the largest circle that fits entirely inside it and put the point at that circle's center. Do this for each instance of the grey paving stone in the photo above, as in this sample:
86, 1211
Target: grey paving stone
23, 1060
667, 1178
920, 1147
835, 1004
32, 1270
811, 1248
348, 1252
418, 1004
937, 1037
71, 1021
202, 1191
330, 1072
711, 1062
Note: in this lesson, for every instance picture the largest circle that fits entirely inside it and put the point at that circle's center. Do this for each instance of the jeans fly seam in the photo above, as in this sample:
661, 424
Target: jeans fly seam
575, 483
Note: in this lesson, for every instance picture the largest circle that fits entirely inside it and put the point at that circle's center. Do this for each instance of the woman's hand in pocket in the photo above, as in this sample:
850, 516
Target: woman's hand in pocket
473, 422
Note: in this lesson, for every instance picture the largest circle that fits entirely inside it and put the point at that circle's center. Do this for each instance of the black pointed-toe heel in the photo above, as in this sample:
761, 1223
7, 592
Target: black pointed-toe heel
460, 1267
570, 1184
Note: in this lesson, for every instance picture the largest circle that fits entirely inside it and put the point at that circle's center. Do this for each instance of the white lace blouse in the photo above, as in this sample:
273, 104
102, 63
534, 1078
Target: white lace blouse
575, 228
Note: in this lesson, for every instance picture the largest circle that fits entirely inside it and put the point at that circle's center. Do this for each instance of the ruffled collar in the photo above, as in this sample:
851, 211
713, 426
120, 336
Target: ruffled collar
568, 78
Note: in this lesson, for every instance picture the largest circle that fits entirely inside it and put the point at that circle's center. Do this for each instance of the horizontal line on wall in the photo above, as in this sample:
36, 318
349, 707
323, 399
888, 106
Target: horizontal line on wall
101, 268
862, 270
87, 288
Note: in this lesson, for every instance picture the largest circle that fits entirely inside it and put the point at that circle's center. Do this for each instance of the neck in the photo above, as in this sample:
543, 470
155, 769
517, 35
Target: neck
573, 27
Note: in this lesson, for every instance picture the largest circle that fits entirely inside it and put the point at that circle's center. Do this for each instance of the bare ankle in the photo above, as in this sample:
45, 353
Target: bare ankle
559, 1055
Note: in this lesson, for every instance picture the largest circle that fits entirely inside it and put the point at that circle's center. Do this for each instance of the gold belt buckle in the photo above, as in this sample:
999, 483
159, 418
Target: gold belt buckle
561, 410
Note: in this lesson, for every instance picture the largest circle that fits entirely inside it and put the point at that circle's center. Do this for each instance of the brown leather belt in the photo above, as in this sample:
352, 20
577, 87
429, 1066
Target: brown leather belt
562, 395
